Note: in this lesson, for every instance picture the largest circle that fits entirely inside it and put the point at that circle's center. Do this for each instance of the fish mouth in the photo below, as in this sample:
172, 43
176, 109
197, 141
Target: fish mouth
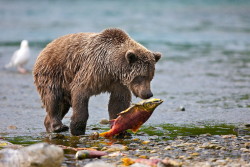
158, 101
153, 101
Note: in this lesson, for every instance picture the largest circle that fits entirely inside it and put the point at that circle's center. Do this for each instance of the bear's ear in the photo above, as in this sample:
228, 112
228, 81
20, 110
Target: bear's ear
157, 56
130, 57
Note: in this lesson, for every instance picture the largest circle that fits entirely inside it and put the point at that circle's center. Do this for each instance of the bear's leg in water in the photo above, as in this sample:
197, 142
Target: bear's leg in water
80, 113
53, 118
120, 99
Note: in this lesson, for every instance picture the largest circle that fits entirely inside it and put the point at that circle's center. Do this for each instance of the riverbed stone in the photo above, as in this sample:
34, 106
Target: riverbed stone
99, 164
37, 155
104, 121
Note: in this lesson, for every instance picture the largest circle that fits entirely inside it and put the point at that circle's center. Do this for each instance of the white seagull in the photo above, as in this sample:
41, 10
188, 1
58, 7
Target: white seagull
20, 57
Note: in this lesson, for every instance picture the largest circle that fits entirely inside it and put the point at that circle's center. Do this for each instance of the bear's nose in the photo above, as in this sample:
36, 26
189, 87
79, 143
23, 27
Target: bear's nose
147, 95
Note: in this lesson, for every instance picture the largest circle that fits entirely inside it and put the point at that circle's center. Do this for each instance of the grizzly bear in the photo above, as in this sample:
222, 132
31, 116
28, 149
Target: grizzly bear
74, 67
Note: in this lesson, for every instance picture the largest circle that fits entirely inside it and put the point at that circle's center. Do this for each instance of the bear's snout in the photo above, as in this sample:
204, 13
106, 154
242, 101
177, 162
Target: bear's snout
146, 95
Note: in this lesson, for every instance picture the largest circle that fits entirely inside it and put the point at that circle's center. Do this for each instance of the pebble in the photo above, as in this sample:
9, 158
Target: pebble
94, 136
168, 148
104, 121
195, 154
143, 156
244, 150
85, 154
181, 108
153, 151
55, 136
247, 145
138, 165
116, 147
99, 164
155, 137
146, 142
12, 127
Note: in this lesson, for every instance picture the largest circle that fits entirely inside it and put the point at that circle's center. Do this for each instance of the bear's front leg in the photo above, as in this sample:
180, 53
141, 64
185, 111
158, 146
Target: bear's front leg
120, 99
54, 110
80, 113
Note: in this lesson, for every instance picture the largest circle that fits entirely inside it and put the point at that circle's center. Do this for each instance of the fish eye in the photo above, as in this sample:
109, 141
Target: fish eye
148, 104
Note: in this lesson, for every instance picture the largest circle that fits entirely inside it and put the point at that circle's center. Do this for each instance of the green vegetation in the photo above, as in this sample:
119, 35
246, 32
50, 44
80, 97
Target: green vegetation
188, 130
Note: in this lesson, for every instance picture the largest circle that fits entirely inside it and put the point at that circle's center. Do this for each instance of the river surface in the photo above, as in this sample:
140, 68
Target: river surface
205, 66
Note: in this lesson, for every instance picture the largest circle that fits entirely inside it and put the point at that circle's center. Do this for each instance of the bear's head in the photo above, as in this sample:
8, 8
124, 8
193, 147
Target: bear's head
141, 65
130, 62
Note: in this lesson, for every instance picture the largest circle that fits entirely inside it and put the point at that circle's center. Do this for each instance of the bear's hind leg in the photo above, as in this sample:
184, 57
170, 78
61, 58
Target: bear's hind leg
55, 113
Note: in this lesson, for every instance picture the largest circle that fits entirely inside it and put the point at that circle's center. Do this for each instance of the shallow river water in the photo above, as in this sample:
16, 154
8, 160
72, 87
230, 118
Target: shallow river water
205, 66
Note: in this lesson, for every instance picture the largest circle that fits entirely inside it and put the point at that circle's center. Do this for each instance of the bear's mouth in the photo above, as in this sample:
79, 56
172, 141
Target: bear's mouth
143, 94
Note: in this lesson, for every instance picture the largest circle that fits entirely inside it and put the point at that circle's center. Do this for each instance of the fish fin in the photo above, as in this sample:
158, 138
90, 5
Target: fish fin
136, 128
125, 111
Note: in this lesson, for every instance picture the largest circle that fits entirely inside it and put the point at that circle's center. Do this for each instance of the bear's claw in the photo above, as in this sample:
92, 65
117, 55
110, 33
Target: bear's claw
61, 128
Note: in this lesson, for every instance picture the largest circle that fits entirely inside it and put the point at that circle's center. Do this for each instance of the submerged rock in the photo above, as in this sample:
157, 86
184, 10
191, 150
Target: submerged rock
94, 136
104, 121
37, 155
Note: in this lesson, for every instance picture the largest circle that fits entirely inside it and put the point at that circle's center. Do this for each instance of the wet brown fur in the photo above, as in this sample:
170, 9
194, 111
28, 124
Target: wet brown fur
75, 67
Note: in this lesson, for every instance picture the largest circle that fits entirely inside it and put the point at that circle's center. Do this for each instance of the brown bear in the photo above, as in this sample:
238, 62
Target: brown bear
74, 67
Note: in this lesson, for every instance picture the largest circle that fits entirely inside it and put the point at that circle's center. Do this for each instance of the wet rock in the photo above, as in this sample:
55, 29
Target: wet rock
221, 162
6, 144
247, 145
99, 164
104, 121
244, 150
146, 142
143, 156
155, 137
138, 165
94, 136
12, 127
153, 151
55, 136
211, 146
116, 147
169, 163
181, 108
195, 154
168, 148
39, 155
247, 125
228, 136
84, 154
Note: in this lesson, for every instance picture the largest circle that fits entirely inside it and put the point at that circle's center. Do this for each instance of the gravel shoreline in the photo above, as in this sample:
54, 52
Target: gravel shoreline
204, 150
188, 151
